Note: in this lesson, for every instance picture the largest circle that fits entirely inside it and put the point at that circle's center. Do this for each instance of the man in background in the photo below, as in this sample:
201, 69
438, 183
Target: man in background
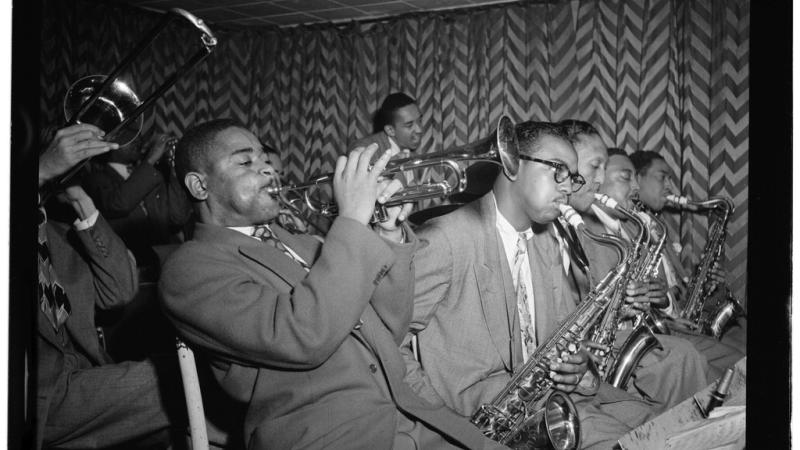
396, 126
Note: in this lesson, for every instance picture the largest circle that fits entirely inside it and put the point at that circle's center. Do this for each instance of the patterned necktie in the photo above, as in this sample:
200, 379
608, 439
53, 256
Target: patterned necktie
53, 301
266, 235
525, 319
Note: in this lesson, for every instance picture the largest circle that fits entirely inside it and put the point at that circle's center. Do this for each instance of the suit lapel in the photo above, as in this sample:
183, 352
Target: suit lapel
494, 282
543, 286
307, 252
269, 257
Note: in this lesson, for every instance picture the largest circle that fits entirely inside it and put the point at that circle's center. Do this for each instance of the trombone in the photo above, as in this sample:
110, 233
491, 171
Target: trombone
110, 104
500, 148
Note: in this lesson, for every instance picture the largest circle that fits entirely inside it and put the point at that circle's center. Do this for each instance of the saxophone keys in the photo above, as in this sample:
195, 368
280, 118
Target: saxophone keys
572, 347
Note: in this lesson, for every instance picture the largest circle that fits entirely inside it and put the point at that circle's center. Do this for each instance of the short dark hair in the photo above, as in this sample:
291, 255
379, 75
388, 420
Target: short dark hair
385, 114
191, 152
529, 133
616, 151
643, 159
268, 149
574, 129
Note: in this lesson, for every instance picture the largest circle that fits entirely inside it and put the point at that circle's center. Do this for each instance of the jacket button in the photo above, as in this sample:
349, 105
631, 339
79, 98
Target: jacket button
373, 368
358, 325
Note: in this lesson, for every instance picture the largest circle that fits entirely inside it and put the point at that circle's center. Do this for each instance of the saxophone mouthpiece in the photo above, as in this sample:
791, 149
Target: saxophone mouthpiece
678, 199
606, 200
571, 216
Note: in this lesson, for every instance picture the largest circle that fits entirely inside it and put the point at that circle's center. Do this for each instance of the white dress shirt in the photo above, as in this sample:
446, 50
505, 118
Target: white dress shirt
509, 236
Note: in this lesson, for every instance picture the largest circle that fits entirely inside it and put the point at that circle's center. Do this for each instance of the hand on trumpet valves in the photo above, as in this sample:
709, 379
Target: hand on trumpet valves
642, 295
70, 146
391, 228
356, 185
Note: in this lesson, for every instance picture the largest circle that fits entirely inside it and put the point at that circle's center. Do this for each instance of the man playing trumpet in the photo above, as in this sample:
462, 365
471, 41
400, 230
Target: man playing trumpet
304, 334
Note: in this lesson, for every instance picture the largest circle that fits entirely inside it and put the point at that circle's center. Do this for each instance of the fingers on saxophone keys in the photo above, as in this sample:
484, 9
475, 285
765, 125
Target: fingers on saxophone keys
597, 346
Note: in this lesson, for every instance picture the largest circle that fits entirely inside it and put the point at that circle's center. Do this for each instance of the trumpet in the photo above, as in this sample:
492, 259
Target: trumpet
500, 148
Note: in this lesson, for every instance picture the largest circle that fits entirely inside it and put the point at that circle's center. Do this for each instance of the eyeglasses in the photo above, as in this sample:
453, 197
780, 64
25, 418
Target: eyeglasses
561, 173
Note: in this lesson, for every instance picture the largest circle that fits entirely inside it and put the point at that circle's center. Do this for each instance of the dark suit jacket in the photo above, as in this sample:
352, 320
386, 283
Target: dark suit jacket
96, 271
313, 355
121, 200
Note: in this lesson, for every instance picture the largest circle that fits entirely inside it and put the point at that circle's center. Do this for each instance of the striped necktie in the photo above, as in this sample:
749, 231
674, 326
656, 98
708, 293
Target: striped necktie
266, 235
525, 317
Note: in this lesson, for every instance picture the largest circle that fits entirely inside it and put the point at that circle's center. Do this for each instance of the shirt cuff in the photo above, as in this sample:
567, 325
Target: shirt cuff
87, 223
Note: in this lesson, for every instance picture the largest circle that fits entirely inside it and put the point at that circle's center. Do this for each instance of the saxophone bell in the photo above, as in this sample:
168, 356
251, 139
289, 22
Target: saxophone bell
723, 316
554, 426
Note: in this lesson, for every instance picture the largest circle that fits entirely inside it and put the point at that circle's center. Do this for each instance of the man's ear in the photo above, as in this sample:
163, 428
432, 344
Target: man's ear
196, 184
389, 130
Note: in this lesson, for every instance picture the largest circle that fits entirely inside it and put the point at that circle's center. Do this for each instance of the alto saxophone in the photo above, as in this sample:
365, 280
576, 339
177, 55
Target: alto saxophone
708, 313
529, 413
617, 367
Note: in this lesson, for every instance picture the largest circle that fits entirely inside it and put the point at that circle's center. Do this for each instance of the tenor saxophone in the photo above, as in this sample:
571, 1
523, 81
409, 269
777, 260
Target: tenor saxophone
617, 367
709, 313
653, 318
529, 413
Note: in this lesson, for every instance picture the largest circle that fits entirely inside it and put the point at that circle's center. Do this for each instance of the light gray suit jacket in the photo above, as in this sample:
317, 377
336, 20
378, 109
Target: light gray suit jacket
465, 313
313, 355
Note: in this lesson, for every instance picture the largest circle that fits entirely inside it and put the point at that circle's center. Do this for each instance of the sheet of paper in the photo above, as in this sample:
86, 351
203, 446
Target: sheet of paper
686, 416
711, 433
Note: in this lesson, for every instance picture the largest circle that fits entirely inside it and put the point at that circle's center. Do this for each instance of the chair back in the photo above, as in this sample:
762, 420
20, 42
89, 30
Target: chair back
194, 400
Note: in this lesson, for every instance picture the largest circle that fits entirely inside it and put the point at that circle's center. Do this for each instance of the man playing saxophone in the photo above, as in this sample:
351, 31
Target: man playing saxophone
488, 291
654, 179
620, 184
668, 374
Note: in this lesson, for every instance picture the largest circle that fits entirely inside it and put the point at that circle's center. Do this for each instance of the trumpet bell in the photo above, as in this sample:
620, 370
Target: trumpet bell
508, 149
115, 104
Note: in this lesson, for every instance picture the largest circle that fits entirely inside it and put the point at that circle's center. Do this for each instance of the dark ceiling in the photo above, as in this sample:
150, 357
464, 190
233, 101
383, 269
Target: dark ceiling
296, 12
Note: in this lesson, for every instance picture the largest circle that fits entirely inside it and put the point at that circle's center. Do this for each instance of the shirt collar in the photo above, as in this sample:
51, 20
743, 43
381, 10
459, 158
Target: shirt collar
395, 149
246, 230
505, 226
508, 234
393, 146
121, 169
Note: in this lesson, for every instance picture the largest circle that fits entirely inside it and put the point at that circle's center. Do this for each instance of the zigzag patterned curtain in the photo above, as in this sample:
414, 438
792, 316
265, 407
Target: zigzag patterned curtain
664, 75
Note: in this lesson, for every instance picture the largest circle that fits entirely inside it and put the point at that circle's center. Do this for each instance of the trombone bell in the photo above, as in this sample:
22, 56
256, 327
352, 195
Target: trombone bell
114, 105
111, 111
